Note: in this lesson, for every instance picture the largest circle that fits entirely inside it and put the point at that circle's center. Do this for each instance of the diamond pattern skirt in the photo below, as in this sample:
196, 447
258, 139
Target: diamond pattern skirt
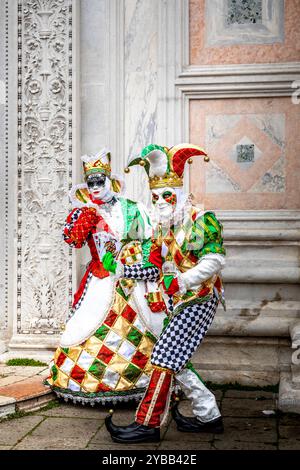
112, 365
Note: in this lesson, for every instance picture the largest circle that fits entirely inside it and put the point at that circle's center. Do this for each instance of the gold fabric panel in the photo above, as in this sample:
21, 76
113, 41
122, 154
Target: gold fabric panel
74, 353
62, 379
122, 326
90, 383
118, 363
146, 346
123, 384
93, 345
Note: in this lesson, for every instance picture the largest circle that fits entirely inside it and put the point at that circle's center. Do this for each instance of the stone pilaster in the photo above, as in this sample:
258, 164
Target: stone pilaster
45, 155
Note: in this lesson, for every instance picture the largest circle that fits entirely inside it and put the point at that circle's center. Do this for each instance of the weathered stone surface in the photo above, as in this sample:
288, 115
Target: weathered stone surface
289, 444
249, 430
290, 432
60, 433
23, 371
34, 403
7, 406
76, 411
256, 394
291, 419
242, 445
11, 379
246, 407
116, 446
31, 387
185, 445
13, 431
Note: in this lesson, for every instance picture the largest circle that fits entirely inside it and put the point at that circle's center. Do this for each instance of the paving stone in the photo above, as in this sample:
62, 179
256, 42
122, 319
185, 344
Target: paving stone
7, 406
31, 387
246, 407
289, 432
76, 411
5, 447
290, 419
185, 445
56, 433
11, 379
242, 445
34, 403
116, 446
254, 394
23, 371
249, 430
173, 436
13, 430
289, 444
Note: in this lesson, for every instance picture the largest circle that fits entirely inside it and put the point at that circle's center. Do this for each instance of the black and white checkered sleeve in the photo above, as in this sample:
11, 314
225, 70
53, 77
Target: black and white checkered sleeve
137, 271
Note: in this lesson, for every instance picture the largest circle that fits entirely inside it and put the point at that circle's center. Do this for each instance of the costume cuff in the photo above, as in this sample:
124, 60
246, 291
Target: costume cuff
119, 270
209, 265
181, 283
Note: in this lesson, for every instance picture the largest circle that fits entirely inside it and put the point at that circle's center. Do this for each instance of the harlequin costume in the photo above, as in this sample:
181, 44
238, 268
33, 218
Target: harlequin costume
188, 251
104, 352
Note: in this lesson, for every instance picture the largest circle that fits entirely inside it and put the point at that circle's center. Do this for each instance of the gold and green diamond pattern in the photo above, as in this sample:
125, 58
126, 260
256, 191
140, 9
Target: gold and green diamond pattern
134, 336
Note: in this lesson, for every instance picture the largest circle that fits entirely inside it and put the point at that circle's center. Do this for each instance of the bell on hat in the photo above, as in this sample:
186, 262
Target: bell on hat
165, 166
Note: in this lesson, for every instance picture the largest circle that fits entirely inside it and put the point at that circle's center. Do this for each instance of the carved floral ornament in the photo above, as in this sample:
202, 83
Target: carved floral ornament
44, 155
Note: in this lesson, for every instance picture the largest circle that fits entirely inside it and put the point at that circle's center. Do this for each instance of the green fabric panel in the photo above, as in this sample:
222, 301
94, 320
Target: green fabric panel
134, 336
65, 350
97, 369
151, 336
209, 239
150, 148
132, 372
129, 209
168, 278
212, 248
122, 293
101, 332
54, 371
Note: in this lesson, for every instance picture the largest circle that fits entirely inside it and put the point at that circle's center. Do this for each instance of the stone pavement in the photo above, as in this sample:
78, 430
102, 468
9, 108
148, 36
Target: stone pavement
22, 389
250, 418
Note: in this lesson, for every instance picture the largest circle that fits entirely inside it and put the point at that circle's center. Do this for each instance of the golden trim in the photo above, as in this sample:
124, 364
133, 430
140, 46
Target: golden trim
171, 179
154, 398
163, 369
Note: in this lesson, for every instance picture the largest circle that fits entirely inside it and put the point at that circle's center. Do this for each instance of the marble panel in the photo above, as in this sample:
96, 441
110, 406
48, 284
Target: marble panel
242, 32
267, 128
94, 75
140, 87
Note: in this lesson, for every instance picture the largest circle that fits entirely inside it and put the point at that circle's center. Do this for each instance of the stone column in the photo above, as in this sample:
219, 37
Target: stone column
44, 90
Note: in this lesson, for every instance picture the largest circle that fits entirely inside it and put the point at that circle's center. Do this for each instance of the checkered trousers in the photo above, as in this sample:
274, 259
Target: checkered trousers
137, 271
183, 335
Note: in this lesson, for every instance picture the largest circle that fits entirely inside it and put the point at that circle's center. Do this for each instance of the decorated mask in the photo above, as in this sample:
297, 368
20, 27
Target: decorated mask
164, 201
99, 186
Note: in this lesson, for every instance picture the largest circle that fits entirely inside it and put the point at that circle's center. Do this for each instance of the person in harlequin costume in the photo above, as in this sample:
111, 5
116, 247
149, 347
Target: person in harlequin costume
104, 351
187, 248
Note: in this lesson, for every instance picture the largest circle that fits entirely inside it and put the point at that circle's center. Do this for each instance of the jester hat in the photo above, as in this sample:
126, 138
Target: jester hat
165, 166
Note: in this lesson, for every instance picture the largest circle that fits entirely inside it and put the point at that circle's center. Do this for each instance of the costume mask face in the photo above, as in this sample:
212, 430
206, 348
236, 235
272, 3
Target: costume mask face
164, 200
99, 187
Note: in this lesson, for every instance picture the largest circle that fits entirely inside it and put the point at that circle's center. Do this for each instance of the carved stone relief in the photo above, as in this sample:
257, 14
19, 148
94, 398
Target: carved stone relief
44, 162
4, 164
